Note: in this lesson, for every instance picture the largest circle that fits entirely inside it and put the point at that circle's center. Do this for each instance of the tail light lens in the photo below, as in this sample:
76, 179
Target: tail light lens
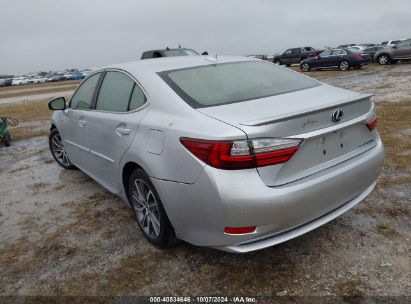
372, 124
242, 154
240, 230
357, 56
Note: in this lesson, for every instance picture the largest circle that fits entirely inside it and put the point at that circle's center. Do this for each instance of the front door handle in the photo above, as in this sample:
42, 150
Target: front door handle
82, 122
123, 131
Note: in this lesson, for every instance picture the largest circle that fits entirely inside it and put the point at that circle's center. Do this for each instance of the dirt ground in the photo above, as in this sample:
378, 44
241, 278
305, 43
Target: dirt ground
63, 234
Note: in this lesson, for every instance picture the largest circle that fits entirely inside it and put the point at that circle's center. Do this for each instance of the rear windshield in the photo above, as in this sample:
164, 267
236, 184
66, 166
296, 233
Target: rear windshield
219, 84
182, 52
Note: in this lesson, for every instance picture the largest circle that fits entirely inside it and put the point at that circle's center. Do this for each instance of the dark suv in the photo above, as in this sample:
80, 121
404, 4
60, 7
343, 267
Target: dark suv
295, 55
400, 51
168, 53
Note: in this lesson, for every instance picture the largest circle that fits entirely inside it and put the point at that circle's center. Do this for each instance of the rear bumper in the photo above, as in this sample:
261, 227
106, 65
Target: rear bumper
199, 212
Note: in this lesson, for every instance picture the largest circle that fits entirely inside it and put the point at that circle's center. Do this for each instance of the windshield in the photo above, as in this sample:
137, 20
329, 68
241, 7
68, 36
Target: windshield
219, 84
179, 52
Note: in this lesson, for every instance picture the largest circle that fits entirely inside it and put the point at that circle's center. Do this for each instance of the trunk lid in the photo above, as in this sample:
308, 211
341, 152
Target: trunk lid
305, 114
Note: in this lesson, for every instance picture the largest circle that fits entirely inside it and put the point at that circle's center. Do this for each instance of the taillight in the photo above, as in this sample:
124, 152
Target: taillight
372, 124
242, 154
357, 56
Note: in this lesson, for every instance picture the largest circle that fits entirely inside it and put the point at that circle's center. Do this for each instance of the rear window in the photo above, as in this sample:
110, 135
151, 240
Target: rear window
225, 83
180, 52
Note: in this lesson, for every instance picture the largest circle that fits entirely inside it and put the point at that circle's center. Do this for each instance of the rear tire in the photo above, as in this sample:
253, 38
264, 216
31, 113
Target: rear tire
149, 211
383, 59
344, 65
277, 61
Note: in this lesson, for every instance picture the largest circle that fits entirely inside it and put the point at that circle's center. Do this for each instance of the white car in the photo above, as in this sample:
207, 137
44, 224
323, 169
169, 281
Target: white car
391, 42
20, 80
37, 79
357, 48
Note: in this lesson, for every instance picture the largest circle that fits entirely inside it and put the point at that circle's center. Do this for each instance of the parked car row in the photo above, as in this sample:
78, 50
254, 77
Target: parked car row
22, 80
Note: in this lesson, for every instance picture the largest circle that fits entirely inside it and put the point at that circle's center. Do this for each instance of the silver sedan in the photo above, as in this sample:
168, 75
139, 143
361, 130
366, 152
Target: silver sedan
230, 152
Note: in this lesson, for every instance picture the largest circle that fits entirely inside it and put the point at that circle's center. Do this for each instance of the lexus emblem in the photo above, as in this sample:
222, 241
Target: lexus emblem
337, 116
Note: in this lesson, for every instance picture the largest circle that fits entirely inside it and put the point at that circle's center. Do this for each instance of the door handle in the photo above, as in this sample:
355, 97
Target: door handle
123, 131
82, 122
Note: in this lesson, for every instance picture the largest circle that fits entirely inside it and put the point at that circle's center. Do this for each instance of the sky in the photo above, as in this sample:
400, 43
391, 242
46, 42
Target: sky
43, 35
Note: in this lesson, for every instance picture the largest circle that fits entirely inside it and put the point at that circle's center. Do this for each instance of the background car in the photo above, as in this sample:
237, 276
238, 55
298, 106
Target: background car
357, 48
20, 80
341, 58
294, 55
344, 46
57, 77
37, 79
400, 51
168, 53
5, 82
75, 76
372, 50
391, 42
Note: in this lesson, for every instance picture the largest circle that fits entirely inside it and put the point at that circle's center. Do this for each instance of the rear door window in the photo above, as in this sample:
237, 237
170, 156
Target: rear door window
115, 92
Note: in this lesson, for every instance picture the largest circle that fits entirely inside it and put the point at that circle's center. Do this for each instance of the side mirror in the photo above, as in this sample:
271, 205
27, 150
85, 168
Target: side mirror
57, 104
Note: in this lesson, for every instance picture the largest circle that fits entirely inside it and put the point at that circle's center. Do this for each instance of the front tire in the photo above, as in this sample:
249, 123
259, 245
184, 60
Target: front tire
277, 61
149, 211
383, 59
57, 150
344, 65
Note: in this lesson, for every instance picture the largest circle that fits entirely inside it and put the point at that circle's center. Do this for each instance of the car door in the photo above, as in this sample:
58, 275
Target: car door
323, 59
120, 105
402, 50
286, 58
336, 57
296, 55
74, 130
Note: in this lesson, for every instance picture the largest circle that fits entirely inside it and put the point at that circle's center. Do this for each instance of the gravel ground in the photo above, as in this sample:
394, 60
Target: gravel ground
62, 234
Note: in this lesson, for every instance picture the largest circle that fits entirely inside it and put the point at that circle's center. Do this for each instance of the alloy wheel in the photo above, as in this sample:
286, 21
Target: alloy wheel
305, 67
344, 65
57, 148
383, 59
146, 208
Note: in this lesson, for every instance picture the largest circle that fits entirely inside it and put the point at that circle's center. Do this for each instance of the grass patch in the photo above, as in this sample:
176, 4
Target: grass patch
36, 92
393, 119
39, 85
33, 118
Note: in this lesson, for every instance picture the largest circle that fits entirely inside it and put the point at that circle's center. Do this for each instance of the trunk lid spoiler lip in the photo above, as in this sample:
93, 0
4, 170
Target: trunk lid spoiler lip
288, 116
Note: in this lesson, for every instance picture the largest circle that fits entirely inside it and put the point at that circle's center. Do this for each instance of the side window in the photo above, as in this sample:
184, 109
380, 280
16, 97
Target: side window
337, 52
287, 52
83, 97
115, 92
137, 98
296, 51
325, 54
402, 44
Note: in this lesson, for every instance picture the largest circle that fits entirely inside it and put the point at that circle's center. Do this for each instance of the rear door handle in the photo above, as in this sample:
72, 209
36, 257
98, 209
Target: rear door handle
123, 131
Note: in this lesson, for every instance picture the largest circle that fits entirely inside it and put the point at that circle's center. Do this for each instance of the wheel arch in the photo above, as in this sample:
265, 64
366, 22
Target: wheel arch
127, 170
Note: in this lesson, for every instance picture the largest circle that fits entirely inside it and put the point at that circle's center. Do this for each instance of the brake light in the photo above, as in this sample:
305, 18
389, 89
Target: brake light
242, 154
239, 230
357, 56
372, 124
